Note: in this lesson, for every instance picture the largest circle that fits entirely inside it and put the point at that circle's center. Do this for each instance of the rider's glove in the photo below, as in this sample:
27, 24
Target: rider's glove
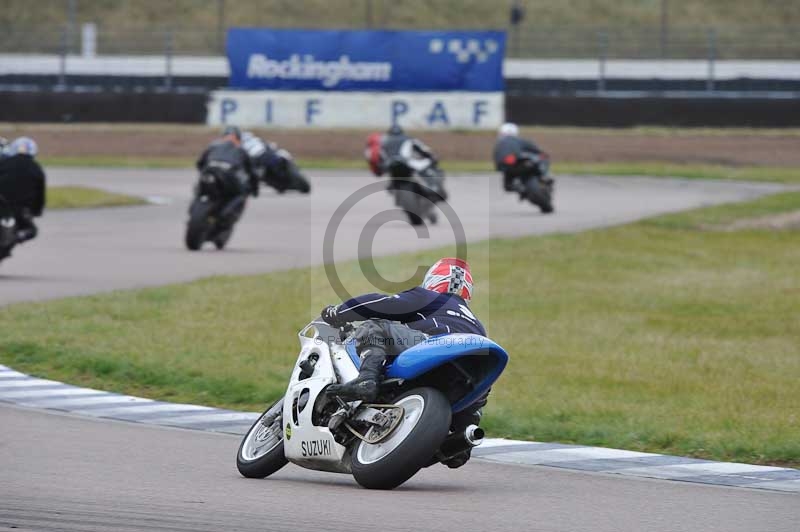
330, 315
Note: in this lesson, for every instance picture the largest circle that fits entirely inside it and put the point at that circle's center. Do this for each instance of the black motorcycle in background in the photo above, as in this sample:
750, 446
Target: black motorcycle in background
417, 185
211, 215
282, 173
528, 173
8, 229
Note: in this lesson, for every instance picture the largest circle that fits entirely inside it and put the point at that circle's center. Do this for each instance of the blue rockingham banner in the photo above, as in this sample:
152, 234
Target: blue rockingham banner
340, 60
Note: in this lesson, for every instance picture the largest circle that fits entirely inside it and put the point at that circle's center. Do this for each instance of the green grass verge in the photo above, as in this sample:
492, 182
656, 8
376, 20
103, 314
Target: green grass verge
790, 175
656, 336
115, 161
68, 197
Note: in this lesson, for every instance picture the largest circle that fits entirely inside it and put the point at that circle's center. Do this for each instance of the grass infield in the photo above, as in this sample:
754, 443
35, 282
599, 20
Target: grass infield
69, 197
790, 175
662, 335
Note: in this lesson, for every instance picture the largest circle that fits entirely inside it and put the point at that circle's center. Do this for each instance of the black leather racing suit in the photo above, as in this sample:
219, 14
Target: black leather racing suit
391, 146
22, 188
239, 180
505, 148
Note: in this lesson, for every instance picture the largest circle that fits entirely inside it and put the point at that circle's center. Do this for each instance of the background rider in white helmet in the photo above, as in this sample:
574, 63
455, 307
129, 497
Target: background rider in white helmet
508, 148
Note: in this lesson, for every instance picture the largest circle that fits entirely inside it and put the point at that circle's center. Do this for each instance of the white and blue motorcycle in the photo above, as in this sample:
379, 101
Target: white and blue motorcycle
381, 444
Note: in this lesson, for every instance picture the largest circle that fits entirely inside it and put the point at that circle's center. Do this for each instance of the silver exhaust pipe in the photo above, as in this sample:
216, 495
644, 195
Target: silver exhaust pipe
474, 435
458, 442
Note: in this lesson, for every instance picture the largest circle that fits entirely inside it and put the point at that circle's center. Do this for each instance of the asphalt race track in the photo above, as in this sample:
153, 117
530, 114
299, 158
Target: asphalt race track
70, 473
89, 251
63, 472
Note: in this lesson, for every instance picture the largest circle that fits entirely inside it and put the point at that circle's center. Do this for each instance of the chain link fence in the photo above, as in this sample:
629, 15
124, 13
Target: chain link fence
166, 47
652, 43
523, 43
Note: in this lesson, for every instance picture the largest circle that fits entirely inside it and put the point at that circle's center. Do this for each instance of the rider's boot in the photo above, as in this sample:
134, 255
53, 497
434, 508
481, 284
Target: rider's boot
365, 386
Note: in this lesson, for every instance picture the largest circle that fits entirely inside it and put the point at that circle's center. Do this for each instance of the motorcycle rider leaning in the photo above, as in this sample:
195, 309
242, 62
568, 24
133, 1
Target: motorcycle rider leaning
22, 185
227, 156
395, 144
508, 148
262, 154
270, 163
438, 307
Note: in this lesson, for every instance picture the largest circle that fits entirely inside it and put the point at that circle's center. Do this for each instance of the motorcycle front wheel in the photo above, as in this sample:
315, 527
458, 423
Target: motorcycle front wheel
299, 181
410, 446
5, 252
261, 451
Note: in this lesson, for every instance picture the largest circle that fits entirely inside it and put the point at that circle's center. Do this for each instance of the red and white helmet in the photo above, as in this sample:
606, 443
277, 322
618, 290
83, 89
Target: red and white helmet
450, 276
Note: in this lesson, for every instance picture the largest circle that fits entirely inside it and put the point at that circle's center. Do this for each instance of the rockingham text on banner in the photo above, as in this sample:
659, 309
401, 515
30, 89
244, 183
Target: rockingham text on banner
346, 60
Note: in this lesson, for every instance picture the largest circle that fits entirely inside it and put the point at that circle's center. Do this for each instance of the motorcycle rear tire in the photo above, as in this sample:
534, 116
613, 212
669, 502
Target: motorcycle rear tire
7, 242
414, 219
197, 229
409, 201
430, 412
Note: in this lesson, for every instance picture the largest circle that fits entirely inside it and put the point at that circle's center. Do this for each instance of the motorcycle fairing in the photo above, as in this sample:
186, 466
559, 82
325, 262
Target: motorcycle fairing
305, 443
440, 350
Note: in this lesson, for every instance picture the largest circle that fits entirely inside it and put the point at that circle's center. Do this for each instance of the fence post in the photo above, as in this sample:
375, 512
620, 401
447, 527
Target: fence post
664, 30
168, 45
89, 39
602, 51
712, 55
368, 13
515, 40
221, 26
62, 59
72, 9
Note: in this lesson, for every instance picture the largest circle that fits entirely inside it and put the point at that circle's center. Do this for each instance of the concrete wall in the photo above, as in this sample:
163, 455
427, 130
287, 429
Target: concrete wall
524, 109
217, 66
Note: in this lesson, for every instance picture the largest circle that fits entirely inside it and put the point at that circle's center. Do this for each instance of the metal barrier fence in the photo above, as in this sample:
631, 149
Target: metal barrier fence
655, 43
152, 59
524, 42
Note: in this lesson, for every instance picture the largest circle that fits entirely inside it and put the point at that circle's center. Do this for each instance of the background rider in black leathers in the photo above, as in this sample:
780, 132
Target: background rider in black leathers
22, 186
226, 156
383, 151
507, 150
273, 164
263, 156
394, 139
